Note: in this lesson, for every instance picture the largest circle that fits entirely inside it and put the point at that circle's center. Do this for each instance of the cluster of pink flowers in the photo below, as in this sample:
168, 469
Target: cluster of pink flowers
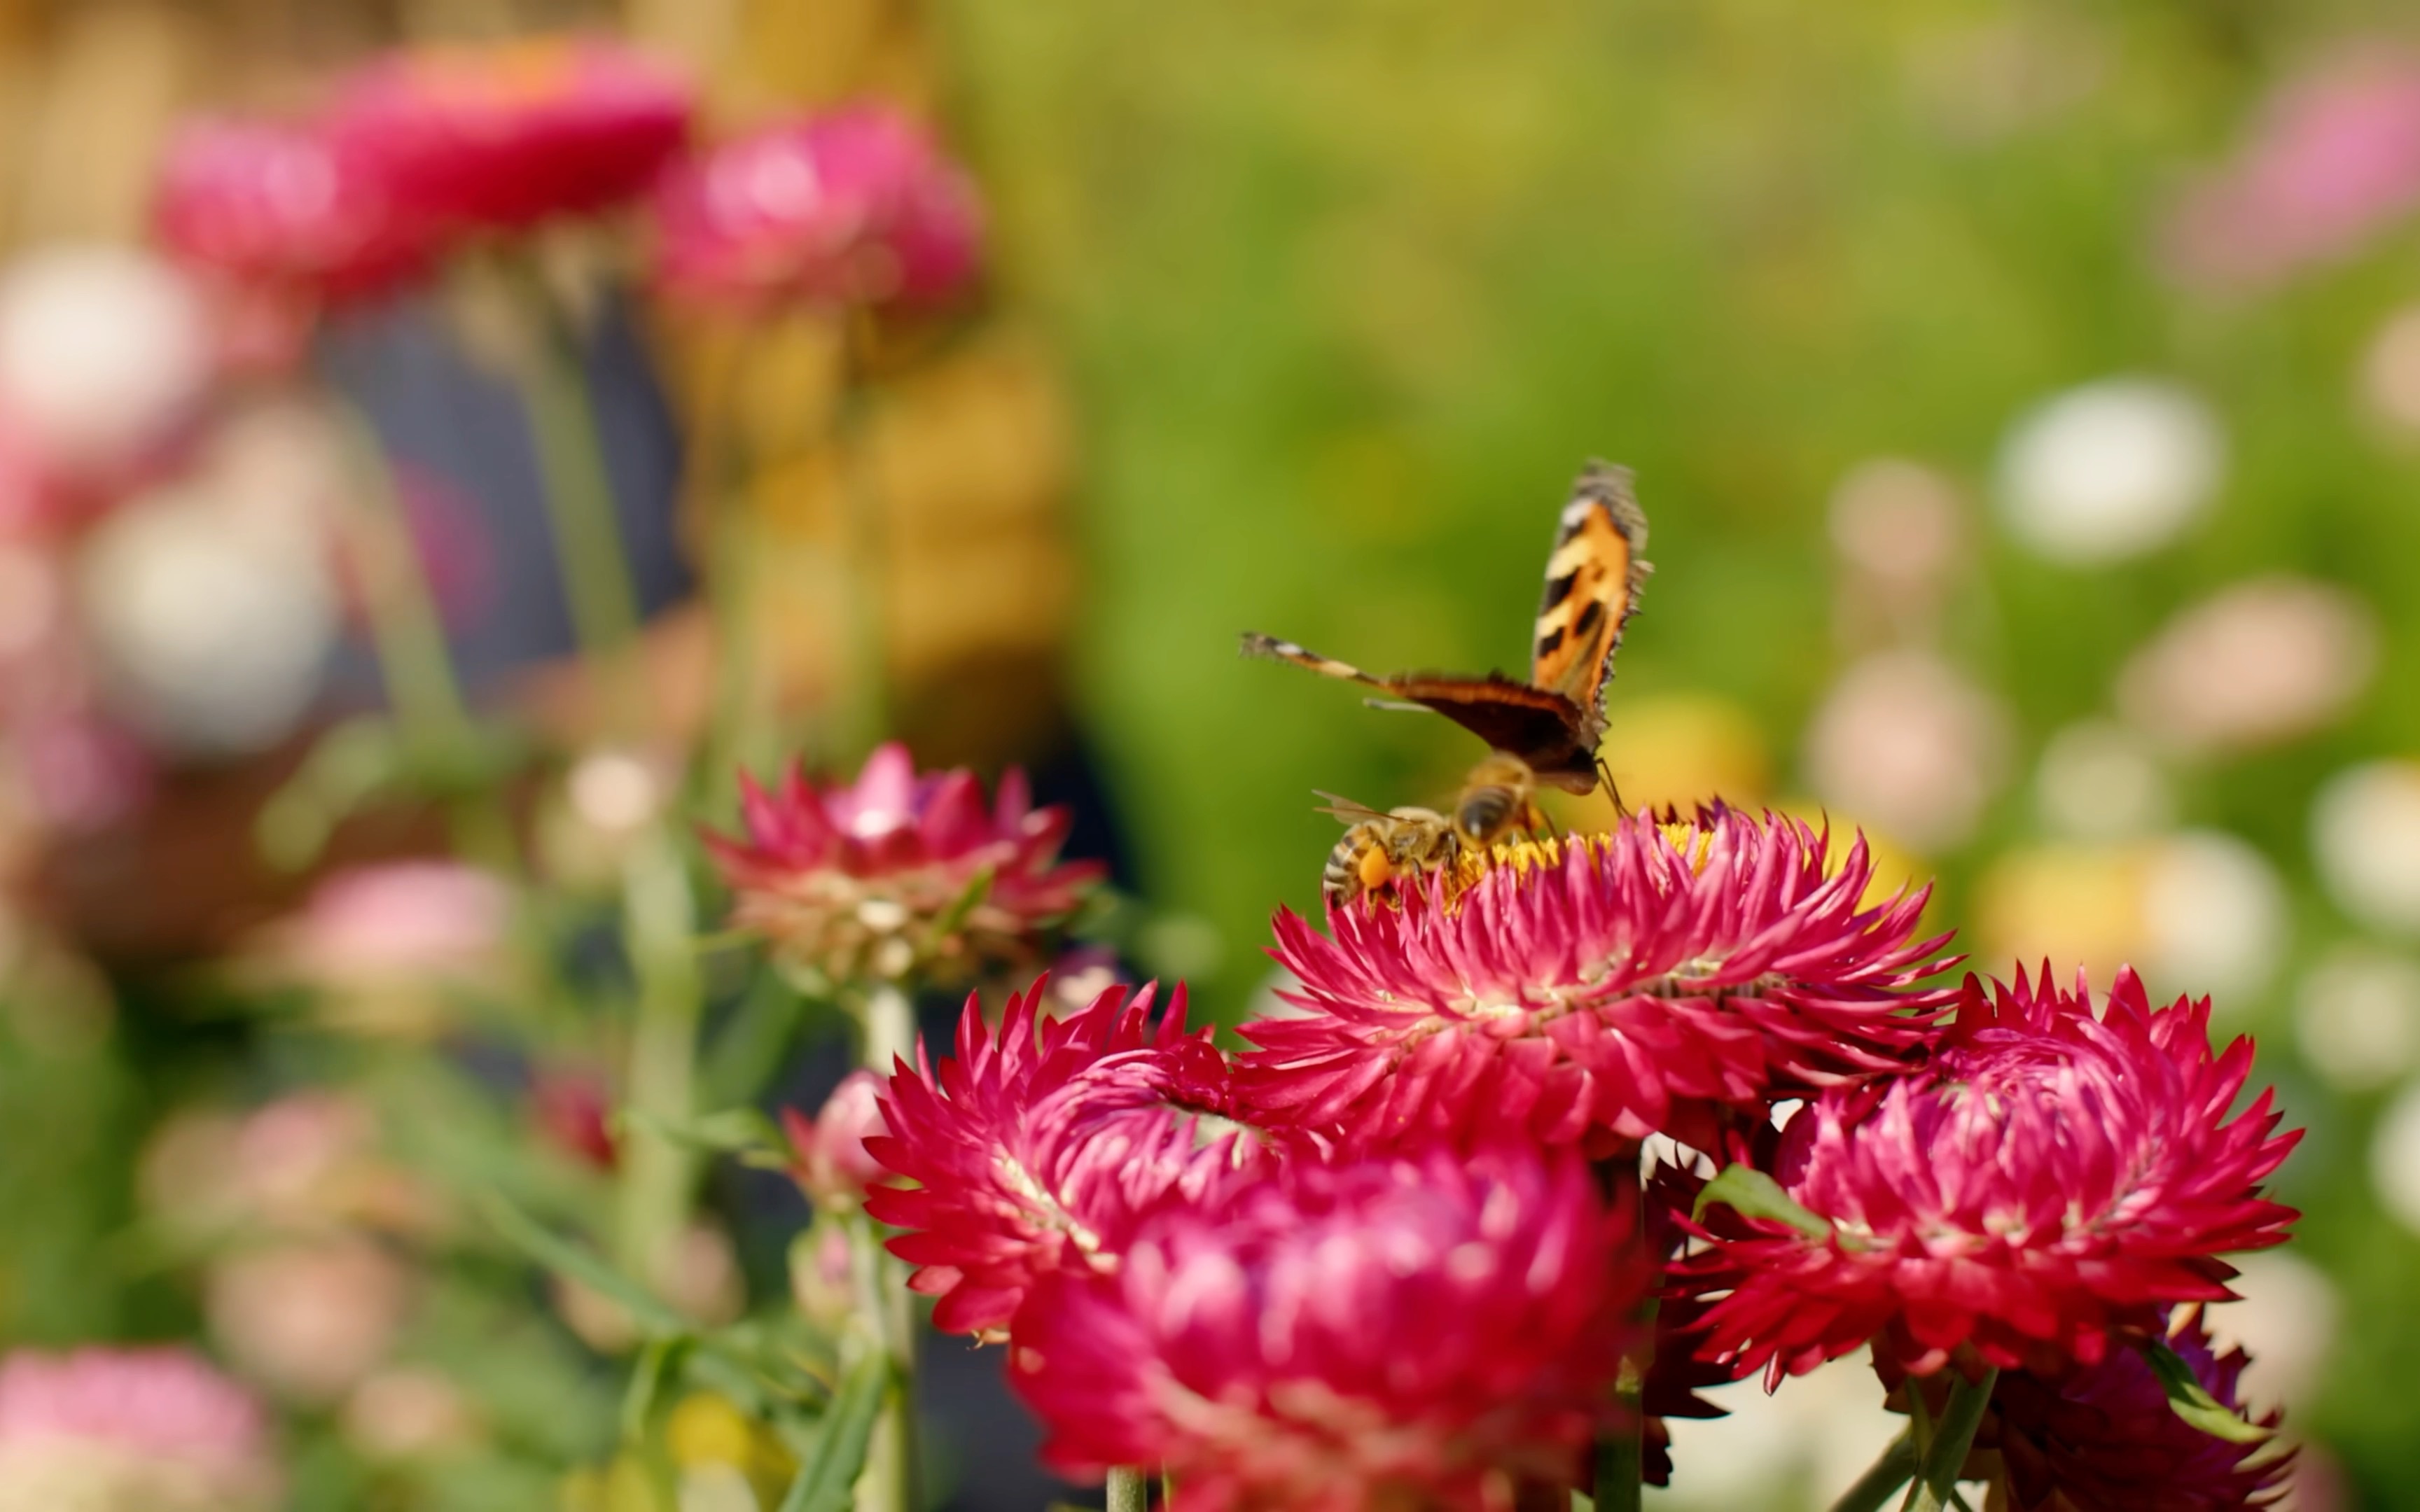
418, 153
1401, 1250
151, 1427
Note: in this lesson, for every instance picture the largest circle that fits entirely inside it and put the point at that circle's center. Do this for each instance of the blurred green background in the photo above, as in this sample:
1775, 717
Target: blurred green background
1343, 294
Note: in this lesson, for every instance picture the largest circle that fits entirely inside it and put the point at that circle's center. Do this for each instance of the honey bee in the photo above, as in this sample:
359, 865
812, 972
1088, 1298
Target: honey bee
1377, 848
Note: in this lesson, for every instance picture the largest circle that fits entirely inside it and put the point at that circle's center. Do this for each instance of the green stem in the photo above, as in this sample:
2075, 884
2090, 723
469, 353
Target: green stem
658, 916
1621, 1452
416, 662
1129, 1490
1936, 1479
890, 1485
587, 528
1886, 1475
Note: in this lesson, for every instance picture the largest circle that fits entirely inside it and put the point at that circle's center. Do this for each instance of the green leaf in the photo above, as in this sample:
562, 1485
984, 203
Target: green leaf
658, 1362
1750, 1192
826, 1477
2190, 1400
566, 1259
732, 1131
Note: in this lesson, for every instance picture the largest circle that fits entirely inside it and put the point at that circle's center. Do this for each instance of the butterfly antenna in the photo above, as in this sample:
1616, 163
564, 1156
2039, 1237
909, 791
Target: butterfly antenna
1613, 789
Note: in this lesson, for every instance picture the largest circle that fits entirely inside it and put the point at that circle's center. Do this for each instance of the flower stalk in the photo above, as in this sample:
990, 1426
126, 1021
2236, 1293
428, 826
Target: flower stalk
1936, 1480
1883, 1477
1129, 1490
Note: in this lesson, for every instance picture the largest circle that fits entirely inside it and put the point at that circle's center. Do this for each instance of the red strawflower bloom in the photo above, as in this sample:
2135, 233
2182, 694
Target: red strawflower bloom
502, 138
2102, 1438
857, 206
1599, 990
274, 209
1391, 1332
2049, 1179
828, 1157
1037, 1148
900, 873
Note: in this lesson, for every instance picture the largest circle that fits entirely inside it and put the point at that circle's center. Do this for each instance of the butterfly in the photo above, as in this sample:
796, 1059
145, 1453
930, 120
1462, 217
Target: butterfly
1554, 721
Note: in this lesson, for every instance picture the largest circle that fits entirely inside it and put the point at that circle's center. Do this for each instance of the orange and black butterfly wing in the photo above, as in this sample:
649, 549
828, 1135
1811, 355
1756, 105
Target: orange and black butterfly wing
1593, 577
1541, 726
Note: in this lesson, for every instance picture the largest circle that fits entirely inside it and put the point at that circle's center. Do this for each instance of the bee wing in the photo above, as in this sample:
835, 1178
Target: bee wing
1345, 809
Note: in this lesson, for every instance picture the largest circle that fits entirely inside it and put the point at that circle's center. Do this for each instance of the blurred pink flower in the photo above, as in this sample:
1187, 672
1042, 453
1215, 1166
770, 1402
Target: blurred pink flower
1614, 987
858, 206
499, 138
1409, 1331
572, 1107
2335, 161
2257, 663
1037, 1148
829, 1152
309, 1319
2102, 1438
274, 208
130, 1431
425, 920
2051, 1178
899, 871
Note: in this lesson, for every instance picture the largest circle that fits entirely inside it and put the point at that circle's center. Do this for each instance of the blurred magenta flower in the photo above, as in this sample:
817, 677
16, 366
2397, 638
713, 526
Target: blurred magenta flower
829, 1155
572, 1108
274, 208
1601, 990
1391, 1332
126, 1428
501, 138
860, 206
899, 871
2044, 1186
2102, 1438
1037, 1148
2333, 161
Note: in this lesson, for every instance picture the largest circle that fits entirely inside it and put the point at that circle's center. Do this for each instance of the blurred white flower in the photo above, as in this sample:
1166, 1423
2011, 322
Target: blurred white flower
2257, 663
2389, 383
2099, 780
2214, 917
2394, 1158
615, 791
1905, 744
2366, 838
1819, 1434
1898, 520
2287, 1322
2357, 1017
103, 350
210, 635
2109, 471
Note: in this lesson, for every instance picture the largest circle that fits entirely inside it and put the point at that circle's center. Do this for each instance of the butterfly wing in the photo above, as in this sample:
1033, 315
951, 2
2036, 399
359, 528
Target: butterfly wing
1593, 577
1541, 726
1269, 648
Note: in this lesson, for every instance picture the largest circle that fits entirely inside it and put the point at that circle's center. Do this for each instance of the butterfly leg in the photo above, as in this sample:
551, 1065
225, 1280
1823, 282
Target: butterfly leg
1613, 789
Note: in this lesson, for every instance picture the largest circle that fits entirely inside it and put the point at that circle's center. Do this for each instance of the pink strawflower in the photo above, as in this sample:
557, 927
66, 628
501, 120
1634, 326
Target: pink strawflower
274, 208
1395, 1331
2047, 1182
860, 206
111, 1428
1599, 990
2102, 1438
829, 1155
1037, 1148
501, 138
2335, 161
898, 872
